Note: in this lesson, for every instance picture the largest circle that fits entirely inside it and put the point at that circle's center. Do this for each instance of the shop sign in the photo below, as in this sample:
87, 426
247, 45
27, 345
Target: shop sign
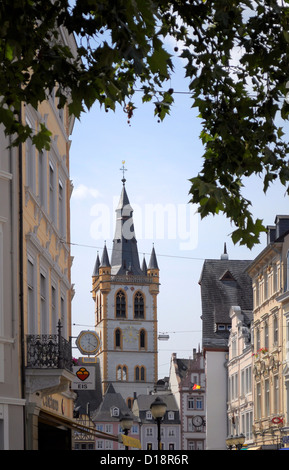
84, 378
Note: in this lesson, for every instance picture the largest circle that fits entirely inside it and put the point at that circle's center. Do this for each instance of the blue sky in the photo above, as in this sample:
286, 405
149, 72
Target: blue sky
159, 158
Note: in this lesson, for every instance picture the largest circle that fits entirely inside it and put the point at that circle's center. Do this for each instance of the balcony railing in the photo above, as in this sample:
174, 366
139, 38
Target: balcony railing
49, 351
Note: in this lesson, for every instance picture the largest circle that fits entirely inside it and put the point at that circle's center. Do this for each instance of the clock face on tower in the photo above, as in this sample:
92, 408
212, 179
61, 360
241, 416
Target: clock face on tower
130, 334
197, 421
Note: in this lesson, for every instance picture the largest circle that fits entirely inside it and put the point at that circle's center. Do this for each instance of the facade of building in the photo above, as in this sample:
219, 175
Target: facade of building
169, 427
224, 283
35, 284
125, 297
240, 391
108, 421
270, 319
12, 398
187, 383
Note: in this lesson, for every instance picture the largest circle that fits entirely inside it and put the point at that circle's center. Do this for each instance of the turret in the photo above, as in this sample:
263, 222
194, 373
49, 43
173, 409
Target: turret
153, 272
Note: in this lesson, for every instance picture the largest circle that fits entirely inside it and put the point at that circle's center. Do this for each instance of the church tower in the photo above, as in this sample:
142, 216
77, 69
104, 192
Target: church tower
125, 296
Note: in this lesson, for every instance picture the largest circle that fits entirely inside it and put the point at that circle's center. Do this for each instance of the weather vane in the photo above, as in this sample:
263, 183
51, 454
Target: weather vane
123, 169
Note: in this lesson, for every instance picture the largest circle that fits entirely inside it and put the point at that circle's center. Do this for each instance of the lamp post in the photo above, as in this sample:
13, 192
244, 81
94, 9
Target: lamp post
126, 423
158, 409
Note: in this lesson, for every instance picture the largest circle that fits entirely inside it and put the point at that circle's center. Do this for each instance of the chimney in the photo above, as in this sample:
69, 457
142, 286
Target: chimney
282, 225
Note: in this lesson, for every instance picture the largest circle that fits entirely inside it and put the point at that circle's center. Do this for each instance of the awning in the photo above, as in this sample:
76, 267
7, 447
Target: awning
254, 448
57, 420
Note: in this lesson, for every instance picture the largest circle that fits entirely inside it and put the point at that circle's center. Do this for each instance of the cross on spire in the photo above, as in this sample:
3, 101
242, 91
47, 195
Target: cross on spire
123, 169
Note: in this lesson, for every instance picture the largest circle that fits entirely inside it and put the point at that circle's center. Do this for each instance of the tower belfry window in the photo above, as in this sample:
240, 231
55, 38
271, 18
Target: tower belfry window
120, 304
138, 305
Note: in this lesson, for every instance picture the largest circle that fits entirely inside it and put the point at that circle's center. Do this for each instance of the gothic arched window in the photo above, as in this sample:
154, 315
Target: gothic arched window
121, 373
120, 304
140, 373
138, 305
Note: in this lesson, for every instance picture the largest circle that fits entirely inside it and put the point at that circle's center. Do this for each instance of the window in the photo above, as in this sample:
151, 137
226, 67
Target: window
276, 394
247, 424
63, 313
199, 403
267, 397
30, 164
138, 305
61, 205
140, 373
42, 178
233, 384
31, 303
142, 339
120, 304
43, 304
246, 381
118, 338
190, 403
257, 342
114, 411
149, 415
121, 373
258, 407
266, 335
52, 209
54, 313
275, 327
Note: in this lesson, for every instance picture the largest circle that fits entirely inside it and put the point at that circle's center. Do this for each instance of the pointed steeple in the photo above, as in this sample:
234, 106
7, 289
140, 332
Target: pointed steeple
153, 264
124, 258
144, 267
96, 266
104, 259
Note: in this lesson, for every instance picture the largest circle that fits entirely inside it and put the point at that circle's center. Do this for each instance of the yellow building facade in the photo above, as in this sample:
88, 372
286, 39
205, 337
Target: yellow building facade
46, 289
269, 281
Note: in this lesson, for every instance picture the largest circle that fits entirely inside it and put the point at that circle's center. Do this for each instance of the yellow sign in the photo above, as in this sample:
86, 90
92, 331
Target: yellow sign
130, 441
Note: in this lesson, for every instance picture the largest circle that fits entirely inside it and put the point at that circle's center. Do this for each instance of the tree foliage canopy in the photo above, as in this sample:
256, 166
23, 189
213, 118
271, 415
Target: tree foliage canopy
236, 59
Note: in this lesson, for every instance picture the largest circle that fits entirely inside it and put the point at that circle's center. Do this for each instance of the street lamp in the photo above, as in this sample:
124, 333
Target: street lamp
126, 423
158, 409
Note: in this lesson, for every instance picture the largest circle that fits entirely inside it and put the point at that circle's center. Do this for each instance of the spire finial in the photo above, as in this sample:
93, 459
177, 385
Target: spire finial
123, 169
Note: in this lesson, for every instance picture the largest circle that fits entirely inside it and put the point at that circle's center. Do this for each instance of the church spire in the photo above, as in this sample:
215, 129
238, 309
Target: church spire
153, 264
124, 258
96, 266
104, 259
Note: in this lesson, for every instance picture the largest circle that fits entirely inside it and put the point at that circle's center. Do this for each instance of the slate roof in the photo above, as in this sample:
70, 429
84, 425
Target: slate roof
224, 283
124, 256
111, 399
144, 402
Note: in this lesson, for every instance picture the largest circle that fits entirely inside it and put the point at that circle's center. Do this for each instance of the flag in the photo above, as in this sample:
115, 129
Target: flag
196, 387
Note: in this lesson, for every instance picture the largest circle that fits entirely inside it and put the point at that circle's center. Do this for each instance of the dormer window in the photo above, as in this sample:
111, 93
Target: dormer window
149, 415
114, 411
227, 276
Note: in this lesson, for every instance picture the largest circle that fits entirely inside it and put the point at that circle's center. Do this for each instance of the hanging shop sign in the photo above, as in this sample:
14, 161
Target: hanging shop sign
84, 378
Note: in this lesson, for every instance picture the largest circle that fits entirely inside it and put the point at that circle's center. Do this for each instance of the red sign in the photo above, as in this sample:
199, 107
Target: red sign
277, 420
